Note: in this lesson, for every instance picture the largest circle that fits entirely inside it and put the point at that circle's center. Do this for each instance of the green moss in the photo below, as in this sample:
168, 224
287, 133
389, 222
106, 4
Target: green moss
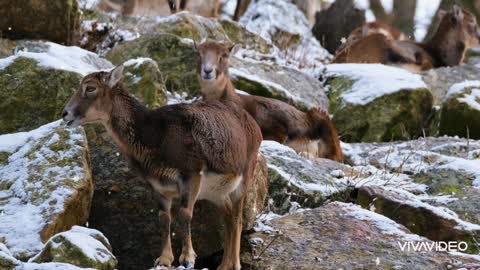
174, 57
458, 118
147, 83
31, 96
398, 116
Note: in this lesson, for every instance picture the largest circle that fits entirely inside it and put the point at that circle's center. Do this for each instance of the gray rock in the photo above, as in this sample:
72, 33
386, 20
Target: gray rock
461, 111
421, 218
341, 236
26, 19
294, 180
444, 169
79, 246
286, 84
45, 186
375, 103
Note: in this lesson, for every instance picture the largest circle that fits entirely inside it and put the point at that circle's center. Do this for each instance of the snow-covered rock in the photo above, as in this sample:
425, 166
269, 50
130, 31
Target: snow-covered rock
286, 84
373, 103
294, 179
444, 170
282, 23
45, 186
460, 112
176, 59
342, 236
79, 246
435, 223
144, 80
38, 80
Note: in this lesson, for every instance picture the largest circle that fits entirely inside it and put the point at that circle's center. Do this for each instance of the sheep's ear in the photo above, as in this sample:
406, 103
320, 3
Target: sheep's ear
234, 49
115, 76
457, 13
441, 13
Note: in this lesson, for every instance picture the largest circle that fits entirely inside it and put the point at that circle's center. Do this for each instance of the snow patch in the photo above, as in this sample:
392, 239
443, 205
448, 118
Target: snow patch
372, 81
384, 224
68, 58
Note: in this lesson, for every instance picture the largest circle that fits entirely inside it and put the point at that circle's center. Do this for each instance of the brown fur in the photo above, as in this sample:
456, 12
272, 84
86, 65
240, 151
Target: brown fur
457, 32
278, 121
372, 28
206, 150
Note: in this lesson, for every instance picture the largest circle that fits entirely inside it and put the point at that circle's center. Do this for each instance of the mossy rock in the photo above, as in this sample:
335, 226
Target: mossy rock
400, 115
7, 261
294, 180
32, 95
79, 246
48, 181
175, 58
279, 82
460, 114
144, 80
27, 19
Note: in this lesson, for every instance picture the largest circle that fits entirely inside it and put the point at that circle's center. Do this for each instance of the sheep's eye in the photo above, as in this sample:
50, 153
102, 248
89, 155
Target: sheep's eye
90, 89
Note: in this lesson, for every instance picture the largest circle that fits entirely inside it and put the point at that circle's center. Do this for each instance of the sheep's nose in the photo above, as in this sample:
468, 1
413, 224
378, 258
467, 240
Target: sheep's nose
207, 70
64, 114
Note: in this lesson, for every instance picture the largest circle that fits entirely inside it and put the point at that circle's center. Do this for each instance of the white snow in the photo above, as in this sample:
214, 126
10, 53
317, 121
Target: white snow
69, 58
270, 18
472, 99
235, 72
81, 238
176, 98
372, 81
459, 87
87, 4
384, 224
34, 188
275, 151
137, 62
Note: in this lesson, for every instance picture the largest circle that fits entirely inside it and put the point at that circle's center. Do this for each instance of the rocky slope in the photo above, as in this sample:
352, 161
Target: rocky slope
397, 186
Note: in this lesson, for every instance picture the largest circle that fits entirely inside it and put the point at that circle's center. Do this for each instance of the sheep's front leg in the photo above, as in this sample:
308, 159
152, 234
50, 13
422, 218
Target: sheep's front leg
189, 195
166, 258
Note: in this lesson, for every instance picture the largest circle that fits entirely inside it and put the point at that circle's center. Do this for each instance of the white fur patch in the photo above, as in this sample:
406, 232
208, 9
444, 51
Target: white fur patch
216, 187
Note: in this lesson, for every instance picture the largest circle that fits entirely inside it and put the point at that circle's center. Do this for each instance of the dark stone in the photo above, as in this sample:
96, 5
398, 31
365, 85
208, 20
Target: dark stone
337, 22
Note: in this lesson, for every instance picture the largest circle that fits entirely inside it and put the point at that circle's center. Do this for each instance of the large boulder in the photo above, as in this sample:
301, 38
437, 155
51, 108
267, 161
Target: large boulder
296, 181
27, 19
176, 59
45, 186
421, 218
442, 172
100, 34
79, 246
275, 81
460, 112
375, 103
440, 80
121, 197
336, 23
341, 236
36, 82
285, 26
144, 80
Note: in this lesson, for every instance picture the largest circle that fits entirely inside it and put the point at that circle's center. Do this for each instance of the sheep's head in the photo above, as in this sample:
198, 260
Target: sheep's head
92, 102
460, 31
212, 62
